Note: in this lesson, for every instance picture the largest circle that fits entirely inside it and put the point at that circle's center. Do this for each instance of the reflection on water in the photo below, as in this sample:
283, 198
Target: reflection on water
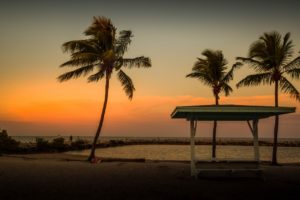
182, 152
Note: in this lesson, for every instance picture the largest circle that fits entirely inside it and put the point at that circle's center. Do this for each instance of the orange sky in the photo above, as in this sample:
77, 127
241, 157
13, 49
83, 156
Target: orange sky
140, 109
143, 116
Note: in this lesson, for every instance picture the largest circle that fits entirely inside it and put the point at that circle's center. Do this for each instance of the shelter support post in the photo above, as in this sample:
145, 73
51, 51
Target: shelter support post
193, 127
254, 131
255, 139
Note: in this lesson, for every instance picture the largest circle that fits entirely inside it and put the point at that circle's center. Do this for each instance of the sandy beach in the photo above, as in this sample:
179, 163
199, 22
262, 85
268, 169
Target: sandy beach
62, 176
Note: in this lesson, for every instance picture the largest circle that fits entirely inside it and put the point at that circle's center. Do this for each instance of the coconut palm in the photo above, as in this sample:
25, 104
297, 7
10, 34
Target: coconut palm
211, 71
98, 57
271, 58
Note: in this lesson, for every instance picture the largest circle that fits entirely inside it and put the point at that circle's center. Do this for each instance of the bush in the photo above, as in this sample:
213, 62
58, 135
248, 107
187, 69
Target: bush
79, 144
42, 144
58, 144
7, 144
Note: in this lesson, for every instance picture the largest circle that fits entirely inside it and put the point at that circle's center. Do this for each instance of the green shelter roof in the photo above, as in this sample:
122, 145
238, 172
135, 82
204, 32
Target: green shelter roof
228, 112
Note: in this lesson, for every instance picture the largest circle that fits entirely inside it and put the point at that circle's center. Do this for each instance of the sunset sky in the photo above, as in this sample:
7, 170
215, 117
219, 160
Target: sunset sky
173, 35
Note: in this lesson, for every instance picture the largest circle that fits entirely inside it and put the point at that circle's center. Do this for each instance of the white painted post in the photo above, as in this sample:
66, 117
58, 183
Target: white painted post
193, 131
255, 139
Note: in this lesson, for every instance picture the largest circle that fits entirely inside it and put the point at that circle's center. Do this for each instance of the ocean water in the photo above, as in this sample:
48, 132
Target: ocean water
182, 152
32, 139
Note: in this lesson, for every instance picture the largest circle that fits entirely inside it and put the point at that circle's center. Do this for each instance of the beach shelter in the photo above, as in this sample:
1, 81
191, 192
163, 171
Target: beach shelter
226, 113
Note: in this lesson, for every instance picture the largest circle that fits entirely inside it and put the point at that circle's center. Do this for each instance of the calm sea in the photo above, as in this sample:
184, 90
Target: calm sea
32, 139
182, 152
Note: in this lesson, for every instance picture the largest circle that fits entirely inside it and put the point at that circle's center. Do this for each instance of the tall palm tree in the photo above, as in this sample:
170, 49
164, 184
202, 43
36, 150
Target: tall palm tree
211, 72
99, 56
271, 58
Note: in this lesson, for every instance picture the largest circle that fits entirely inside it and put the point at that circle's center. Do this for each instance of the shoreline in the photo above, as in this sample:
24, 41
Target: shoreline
63, 156
108, 142
79, 145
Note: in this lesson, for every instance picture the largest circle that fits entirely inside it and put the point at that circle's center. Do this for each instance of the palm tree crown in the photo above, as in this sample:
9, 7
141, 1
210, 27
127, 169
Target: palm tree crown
271, 56
212, 72
103, 53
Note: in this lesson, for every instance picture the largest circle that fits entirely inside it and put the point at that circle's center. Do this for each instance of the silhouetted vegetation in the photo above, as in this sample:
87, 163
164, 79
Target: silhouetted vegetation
80, 145
211, 71
7, 144
102, 51
270, 57
42, 144
59, 145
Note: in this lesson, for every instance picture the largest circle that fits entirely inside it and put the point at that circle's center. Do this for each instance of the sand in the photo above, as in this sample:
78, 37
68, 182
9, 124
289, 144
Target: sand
61, 176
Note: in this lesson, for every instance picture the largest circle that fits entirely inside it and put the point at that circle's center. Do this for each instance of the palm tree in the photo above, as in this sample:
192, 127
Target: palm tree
211, 72
99, 56
270, 56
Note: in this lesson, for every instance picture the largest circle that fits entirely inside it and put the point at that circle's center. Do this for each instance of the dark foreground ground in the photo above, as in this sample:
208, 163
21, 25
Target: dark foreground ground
68, 177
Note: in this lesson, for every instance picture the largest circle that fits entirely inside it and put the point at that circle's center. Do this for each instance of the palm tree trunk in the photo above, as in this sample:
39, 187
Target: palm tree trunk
276, 126
214, 139
92, 154
276, 93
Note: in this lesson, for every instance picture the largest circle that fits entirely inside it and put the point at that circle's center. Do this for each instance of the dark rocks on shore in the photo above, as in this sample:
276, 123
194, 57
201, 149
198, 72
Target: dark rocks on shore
59, 144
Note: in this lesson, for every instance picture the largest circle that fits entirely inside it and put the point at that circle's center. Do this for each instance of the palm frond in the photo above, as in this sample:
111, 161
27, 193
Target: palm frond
203, 77
136, 62
195, 75
257, 50
215, 56
74, 63
82, 58
293, 64
272, 51
272, 42
103, 31
100, 24
294, 73
255, 79
85, 55
78, 45
286, 49
123, 42
229, 76
257, 65
289, 88
76, 73
126, 83
215, 64
97, 76
200, 65
226, 89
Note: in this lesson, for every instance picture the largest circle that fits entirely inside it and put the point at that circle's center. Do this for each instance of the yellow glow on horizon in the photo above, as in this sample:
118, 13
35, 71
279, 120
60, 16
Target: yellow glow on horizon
139, 109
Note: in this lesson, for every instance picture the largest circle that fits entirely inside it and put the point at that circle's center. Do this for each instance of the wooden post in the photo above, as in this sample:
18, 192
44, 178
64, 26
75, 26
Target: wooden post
255, 139
193, 126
